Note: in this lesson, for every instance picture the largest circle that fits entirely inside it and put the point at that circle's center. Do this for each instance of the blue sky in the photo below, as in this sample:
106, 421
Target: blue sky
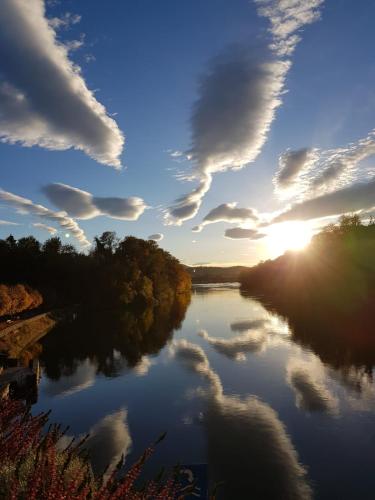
147, 63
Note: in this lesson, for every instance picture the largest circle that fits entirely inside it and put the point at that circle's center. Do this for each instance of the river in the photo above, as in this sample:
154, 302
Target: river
272, 414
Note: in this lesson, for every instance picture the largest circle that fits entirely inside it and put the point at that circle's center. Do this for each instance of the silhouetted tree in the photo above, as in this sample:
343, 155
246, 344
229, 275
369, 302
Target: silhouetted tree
126, 272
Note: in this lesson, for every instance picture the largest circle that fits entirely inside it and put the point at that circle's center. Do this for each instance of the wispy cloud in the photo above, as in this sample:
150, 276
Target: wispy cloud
66, 21
45, 227
54, 109
8, 223
287, 17
321, 171
227, 212
238, 98
25, 206
339, 166
83, 205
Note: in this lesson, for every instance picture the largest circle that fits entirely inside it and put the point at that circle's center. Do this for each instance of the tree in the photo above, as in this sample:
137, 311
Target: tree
52, 246
106, 244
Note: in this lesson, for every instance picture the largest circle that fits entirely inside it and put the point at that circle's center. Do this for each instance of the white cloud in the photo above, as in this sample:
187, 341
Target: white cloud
90, 58
227, 212
323, 171
66, 21
291, 164
72, 45
339, 166
287, 17
8, 223
54, 109
45, 227
83, 205
237, 101
25, 206
156, 236
237, 233
186, 207
360, 196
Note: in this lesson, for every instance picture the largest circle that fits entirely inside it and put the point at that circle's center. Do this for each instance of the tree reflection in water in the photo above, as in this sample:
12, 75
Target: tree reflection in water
111, 340
340, 340
344, 342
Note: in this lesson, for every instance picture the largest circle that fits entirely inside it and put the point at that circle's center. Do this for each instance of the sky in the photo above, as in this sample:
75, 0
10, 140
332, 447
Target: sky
229, 132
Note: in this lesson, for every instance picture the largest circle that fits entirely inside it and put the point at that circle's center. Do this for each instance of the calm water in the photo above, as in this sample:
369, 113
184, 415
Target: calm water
233, 388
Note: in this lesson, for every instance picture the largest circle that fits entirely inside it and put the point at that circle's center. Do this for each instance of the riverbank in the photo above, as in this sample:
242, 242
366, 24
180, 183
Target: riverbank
18, 336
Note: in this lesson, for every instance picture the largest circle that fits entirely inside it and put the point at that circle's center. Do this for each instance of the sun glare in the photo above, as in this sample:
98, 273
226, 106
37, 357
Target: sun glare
288, 236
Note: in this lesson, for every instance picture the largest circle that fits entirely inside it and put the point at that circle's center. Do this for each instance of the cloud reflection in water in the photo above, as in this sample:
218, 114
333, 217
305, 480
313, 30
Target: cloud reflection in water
307, 380
248, 446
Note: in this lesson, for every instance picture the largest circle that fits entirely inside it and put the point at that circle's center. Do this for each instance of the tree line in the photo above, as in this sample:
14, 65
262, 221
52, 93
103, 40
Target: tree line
116, 272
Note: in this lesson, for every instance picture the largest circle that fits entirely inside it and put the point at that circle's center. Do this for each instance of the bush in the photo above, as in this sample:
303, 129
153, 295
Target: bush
17, 298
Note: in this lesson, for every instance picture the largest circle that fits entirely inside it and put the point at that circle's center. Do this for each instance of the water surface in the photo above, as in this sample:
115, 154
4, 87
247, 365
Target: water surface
234, 387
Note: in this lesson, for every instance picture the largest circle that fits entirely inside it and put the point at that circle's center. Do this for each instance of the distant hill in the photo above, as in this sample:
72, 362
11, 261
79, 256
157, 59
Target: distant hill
205, 274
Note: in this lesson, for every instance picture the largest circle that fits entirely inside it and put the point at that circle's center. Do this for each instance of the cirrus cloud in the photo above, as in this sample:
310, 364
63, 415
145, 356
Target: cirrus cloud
54, 109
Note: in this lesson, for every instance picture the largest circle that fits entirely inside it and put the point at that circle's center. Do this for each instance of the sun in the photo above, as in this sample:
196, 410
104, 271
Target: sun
288, 236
